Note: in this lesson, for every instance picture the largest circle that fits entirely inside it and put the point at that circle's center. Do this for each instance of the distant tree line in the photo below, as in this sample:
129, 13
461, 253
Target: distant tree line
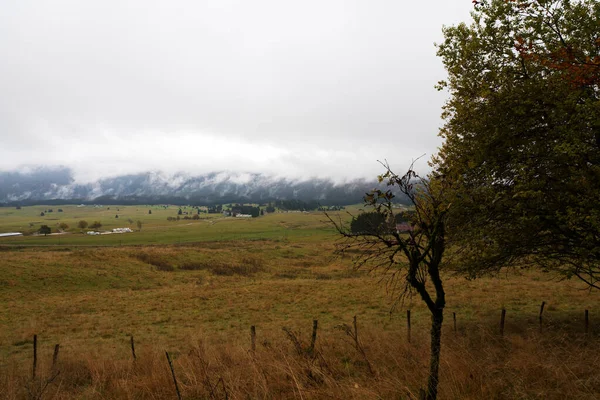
296, 205
245, 209
216, 209
375, 223
331, 208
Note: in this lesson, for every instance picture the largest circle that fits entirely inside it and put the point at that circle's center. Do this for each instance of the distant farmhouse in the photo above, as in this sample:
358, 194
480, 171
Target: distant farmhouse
122, 230
404, 227
115, 230
403, 222
243, 216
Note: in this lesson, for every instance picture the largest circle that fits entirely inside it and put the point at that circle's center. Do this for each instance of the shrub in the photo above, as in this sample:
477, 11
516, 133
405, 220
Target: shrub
368, 223
165, 267
286, 275
246, 267
195, 265
156, 260
96, 225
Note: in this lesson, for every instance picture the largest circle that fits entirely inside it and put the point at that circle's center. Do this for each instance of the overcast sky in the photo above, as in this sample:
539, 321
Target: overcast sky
294, 88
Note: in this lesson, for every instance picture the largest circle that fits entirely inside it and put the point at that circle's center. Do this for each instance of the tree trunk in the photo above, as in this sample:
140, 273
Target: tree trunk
437, 317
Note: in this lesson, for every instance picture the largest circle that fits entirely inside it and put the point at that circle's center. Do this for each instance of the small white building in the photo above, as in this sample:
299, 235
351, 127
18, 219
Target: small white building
121, 230
9, 234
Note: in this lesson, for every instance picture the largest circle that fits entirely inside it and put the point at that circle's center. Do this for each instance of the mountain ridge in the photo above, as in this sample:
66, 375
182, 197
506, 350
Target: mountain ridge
43, 185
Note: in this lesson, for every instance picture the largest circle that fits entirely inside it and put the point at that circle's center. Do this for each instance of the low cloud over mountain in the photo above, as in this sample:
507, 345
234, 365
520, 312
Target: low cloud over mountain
56, 185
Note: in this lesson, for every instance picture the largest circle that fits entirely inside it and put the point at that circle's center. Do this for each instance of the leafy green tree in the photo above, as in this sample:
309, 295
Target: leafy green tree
413, 259
82, 224
96, 225
369, 223
45, 230
63, 226
522, 136
139, 225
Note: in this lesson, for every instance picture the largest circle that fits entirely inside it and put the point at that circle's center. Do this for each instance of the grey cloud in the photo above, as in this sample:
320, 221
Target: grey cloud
309, 84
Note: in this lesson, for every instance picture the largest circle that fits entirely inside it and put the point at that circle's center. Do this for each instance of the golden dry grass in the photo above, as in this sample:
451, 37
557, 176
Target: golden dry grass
199, 301
477, 365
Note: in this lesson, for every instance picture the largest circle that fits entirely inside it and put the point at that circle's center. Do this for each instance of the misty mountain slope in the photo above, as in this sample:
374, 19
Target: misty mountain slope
41, 184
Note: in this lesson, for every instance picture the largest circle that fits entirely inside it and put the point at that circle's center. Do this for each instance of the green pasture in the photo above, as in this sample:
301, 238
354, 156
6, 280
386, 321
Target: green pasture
173, 282
156, 229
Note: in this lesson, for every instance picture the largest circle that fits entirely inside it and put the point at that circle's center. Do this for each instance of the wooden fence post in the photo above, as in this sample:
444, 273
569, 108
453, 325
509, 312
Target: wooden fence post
313, 339
502, 319
454, 318
34, 356
408, 325
253, 338
173, 374
55, 355
587, 321
358, 346
541, 317
133, 349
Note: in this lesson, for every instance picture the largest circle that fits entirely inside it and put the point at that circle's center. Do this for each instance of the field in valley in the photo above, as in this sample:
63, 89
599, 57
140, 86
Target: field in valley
156, 229
195, 287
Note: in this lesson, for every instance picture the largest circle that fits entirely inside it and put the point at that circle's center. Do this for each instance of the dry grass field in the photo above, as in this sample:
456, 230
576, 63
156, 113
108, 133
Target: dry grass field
198, 296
